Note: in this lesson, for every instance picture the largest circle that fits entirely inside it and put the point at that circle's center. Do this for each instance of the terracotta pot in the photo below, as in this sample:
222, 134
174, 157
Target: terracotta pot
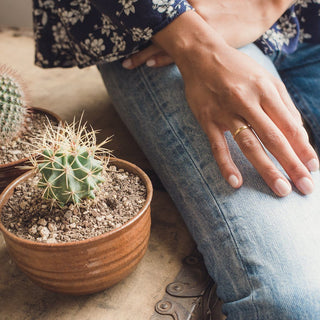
10, 171
86, 266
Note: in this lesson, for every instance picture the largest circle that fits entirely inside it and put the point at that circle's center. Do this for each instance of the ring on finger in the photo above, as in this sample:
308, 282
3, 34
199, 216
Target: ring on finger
244, 127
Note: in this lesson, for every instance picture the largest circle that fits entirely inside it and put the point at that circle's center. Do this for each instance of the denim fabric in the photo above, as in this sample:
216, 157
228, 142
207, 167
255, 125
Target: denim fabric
300, 72
262, 251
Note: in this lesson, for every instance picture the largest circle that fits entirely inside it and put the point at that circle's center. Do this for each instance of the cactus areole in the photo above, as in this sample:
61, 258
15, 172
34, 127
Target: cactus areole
69, 177
13, 108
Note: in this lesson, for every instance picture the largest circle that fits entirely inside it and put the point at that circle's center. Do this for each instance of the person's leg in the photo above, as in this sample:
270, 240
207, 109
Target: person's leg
300, 72
262, 251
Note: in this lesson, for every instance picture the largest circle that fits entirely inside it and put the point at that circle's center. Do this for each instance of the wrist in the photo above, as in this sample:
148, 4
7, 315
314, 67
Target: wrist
186, 34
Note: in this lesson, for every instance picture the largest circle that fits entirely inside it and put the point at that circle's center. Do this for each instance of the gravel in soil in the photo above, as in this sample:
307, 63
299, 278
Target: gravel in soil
31, 217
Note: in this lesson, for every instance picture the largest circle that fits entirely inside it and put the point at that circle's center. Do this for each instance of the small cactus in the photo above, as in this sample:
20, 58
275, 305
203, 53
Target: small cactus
69, 164
13, 109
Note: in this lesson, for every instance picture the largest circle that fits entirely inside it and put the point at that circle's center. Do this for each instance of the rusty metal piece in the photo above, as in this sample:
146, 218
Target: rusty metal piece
192, 296
188, 289
192, 280
173, 309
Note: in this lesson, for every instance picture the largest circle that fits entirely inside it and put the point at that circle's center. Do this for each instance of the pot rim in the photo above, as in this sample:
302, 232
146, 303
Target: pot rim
7, 192
22, 160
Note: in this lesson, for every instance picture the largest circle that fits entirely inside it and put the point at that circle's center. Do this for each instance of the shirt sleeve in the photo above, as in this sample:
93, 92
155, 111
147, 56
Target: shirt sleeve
82, 33
142, 14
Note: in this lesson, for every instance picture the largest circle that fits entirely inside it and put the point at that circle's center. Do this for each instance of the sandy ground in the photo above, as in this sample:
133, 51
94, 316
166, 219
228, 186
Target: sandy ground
68, 92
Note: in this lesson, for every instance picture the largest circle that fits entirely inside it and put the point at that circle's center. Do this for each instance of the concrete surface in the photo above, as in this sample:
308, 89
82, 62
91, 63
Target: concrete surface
16, 13
67, 92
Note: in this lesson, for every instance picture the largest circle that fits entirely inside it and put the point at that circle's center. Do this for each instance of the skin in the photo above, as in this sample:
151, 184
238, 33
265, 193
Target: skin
226, 89
251, 18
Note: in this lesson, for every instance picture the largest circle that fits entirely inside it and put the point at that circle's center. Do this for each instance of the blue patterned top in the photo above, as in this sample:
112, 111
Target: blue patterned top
82, 32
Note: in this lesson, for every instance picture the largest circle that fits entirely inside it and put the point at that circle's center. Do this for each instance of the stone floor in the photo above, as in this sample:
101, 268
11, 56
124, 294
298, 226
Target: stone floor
68, 92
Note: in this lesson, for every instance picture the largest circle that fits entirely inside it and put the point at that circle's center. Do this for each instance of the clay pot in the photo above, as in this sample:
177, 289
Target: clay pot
10, 171
86, 266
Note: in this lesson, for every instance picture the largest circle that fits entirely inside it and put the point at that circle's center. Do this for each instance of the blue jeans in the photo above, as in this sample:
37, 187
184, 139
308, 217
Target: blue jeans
262, 251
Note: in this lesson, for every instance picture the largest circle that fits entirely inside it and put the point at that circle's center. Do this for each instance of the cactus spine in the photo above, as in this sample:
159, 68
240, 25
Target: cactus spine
13, 108
70, 167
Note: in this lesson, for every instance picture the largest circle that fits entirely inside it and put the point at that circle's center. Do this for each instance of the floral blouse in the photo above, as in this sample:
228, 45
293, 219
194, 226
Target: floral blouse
82, 32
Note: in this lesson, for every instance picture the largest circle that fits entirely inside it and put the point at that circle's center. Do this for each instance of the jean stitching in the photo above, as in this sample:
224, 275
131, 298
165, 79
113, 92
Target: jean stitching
145, 79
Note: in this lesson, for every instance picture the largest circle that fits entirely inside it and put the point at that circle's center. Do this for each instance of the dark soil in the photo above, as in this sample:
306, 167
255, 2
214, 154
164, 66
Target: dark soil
29, 216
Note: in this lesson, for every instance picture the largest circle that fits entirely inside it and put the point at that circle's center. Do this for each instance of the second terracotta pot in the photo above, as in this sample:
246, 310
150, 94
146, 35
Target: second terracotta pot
9, 171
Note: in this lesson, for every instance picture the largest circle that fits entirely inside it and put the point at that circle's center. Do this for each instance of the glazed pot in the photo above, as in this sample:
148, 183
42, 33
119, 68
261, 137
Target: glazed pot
11, 170
86, 266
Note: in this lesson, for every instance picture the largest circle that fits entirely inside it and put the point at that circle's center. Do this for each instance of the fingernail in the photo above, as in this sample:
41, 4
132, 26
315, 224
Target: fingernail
283, 188
313, 165
151, 62
305, 185
127, 63
233, 181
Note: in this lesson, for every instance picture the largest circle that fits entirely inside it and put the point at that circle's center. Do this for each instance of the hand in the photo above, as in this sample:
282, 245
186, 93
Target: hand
240, 93
226, 89
250, 18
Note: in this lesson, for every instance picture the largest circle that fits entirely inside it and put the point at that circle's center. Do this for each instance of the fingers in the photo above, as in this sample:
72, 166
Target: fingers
281, 110
141, 57
255, 153
270, 135
273, 139
152, 56
285, 97
159, 60
223, 157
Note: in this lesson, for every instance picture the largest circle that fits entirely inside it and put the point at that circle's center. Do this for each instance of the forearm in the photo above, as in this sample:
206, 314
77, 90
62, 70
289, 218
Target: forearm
182, 45
237, 22
241, 22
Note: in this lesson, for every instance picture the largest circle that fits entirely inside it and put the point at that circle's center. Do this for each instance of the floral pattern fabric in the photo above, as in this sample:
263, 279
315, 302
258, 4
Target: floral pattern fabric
300, 23
82, 32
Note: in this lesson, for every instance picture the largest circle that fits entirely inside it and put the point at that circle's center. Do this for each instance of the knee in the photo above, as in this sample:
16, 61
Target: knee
285, 301
289, 302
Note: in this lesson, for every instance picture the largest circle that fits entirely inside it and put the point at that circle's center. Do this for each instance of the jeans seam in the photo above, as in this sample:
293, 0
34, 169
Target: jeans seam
311, 61
298, 100
144, 78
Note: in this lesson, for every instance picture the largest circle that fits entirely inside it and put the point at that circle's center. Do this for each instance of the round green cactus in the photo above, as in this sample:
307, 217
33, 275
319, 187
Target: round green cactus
69, 165
13, 108
70, 177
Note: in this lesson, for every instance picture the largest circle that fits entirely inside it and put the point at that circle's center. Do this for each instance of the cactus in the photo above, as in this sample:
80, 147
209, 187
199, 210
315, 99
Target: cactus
13, 110
69, 163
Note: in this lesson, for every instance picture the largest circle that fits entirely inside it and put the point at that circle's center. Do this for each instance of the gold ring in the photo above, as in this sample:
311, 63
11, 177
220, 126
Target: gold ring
239, 130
